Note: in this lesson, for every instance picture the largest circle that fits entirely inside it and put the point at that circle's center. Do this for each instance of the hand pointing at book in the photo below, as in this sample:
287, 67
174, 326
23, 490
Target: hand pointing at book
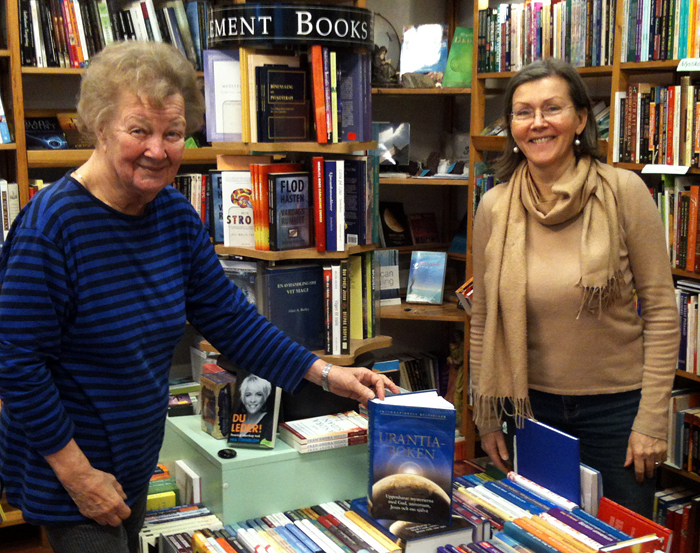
354, 382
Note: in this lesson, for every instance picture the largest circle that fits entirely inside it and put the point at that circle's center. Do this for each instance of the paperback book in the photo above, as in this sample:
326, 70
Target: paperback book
426, 277
389, 288
223, 95
458, 71
44, 133
411, 457
394, 225
237, 205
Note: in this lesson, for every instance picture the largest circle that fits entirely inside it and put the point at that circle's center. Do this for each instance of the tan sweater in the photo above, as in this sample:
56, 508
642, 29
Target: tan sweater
618, 352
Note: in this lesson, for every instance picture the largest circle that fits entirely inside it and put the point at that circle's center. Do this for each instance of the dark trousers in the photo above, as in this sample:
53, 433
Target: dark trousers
603, 424
90, 537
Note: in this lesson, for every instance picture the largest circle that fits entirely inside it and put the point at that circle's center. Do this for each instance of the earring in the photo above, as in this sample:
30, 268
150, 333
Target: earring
515, 150
577, 142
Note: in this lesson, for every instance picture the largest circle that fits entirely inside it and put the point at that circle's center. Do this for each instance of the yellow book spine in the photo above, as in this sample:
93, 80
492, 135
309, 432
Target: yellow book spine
372, 531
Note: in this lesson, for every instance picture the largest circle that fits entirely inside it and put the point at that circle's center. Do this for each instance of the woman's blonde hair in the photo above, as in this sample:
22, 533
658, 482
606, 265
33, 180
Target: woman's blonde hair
152, 69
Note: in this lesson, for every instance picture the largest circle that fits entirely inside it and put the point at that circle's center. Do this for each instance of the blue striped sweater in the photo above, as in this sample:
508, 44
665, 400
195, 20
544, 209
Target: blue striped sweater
92, 304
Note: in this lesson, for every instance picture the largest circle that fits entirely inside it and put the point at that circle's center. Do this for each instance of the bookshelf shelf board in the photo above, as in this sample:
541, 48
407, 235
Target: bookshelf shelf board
687, 375
357, 347
10, 146
71, 158
4, 53
682, 472
306, 253
684, 273
12, 514
647, 66
51, 71
429, 181
457, 256
307, 147
430, 246
445, 91
448, 311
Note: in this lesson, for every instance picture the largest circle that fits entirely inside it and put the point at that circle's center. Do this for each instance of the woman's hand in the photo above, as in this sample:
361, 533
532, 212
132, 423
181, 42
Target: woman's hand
494, 444
97, 494
354, 382
646, 453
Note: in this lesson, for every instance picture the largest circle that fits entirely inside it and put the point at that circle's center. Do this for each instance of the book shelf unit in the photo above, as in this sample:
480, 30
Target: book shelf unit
620, 75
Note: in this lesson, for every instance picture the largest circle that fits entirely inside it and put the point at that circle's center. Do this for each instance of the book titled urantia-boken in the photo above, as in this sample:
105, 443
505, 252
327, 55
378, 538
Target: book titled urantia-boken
411, 457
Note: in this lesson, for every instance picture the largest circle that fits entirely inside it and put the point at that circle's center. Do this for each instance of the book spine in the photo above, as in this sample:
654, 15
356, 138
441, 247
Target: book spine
319, 203
344, 309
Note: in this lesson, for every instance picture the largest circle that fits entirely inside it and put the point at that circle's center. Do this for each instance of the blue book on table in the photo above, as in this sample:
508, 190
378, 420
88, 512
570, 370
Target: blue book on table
550, 458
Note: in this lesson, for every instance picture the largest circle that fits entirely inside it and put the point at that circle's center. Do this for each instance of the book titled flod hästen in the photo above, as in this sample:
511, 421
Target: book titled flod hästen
411, 457
290, 211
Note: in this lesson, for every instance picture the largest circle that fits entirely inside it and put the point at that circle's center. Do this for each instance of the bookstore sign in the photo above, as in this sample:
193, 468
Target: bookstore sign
291, 24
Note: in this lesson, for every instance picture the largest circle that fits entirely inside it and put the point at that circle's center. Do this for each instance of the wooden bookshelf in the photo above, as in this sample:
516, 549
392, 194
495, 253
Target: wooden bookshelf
447, 312
425, 181
245, 148
357, 348
38, 159
13, 515
444, 91
286, 255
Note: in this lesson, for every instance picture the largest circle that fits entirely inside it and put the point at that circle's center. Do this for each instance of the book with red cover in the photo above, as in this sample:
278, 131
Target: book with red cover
318, 93
633, 523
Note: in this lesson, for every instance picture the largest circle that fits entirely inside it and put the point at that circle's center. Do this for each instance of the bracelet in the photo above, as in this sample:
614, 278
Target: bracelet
324, 376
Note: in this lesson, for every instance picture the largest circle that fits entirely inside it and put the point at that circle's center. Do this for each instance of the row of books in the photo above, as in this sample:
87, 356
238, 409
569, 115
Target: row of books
677, 508
415, 371
657, 124
514, 35
400, 229
659, 30
67, 33
281, 206
684, 437
265, 96
323, 307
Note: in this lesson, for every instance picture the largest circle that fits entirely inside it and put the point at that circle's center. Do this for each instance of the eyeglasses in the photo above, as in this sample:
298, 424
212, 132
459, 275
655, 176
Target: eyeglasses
527, 115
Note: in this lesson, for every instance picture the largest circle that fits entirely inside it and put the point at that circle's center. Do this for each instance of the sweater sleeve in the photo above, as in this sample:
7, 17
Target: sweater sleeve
220, 311
480, 238
651, 270
34, 306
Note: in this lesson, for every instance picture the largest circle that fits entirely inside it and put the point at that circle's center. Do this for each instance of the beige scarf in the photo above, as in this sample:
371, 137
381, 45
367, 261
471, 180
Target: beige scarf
503, 374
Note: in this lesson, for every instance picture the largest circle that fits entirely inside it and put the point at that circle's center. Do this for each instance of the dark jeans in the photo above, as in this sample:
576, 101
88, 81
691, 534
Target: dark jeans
603, 424
90, 537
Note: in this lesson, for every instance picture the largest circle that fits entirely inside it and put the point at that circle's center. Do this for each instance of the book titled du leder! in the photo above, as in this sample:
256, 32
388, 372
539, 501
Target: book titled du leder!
411, 457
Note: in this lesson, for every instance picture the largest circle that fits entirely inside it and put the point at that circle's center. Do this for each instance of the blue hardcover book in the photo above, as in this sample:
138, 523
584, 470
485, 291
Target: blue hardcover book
293, 301
527, 492
513, 498
426, 277
290, 210
216, 222
331, 206
192, 12
608, 528
524, 494
284, 104
356, 201
550, 458
411, 457
350, 95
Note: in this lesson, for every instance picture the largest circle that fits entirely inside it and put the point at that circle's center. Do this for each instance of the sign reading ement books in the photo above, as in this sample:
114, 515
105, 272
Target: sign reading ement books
258, 24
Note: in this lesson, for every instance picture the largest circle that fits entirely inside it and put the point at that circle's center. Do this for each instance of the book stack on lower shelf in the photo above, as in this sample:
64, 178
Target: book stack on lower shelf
325, 432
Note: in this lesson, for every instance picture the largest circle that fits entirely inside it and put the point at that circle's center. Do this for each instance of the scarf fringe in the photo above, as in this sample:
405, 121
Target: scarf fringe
485, 407
595, 299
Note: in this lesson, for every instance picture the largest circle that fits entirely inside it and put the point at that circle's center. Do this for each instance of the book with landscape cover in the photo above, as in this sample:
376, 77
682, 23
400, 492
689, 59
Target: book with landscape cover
411, 457
458, 71
293, 301
237, 206
426, 277
394, 225
290, 210
417, 537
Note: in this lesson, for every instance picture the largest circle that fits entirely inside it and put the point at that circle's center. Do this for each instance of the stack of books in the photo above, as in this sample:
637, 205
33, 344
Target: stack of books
325, 432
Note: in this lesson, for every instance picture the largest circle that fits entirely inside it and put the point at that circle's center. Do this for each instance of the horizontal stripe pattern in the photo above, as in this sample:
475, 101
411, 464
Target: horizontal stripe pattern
92, 304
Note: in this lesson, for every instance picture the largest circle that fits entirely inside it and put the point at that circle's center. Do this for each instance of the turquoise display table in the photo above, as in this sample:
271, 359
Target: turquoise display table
263, 481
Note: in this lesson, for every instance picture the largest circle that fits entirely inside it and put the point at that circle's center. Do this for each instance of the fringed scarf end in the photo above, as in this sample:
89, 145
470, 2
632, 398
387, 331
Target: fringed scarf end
595, 299
490, 408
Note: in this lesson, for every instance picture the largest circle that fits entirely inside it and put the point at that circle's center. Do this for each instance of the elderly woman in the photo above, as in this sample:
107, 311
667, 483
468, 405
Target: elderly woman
565, 252
99, 274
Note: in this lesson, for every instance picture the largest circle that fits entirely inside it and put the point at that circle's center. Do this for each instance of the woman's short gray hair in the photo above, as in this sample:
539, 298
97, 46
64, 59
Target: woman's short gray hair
509, 160
152, 69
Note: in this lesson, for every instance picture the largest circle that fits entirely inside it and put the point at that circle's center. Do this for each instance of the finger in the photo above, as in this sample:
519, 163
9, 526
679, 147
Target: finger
379, 388
123, 511
502, 449
629, 458
639, 469
650, 466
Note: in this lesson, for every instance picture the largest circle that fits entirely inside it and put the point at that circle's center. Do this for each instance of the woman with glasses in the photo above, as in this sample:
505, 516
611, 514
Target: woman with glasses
574, 317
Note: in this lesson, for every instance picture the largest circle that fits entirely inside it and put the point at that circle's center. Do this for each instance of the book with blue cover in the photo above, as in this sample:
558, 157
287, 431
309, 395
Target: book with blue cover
290, 210
426, 277
292, 300
411, 457
536, 446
